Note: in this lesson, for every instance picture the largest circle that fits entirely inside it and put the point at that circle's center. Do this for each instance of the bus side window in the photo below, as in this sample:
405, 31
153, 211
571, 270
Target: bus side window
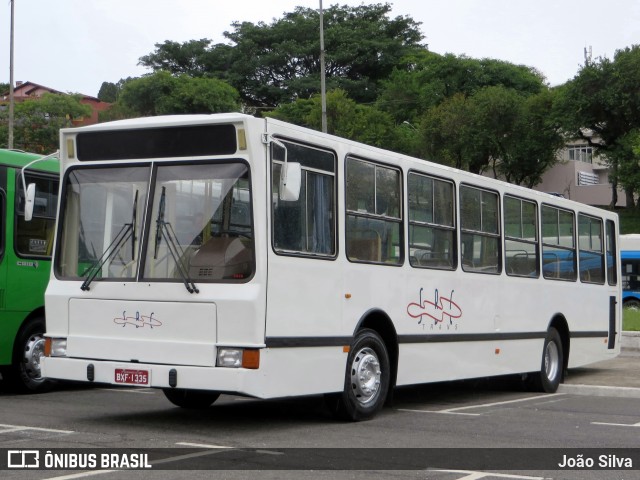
612, 254
558, 244
373, 220
521, 237
432, 236
480, 230
307, 225
591, 246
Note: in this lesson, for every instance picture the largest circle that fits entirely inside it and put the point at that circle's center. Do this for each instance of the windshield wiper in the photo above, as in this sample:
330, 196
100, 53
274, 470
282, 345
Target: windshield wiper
134, 216
121, 237
127, 231
165, 230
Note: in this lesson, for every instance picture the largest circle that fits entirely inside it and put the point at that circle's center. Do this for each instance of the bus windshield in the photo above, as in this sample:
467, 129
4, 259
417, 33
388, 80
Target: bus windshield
198, 224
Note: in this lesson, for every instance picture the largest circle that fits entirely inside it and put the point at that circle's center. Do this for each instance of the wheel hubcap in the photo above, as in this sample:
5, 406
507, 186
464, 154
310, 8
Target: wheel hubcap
365, 376
33, 352
551, 361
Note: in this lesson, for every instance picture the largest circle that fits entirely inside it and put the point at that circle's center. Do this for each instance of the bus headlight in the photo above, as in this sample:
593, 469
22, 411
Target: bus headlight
232, 357
55, 347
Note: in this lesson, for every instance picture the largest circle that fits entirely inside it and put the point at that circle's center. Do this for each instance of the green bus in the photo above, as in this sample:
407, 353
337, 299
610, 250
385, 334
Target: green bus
25, 264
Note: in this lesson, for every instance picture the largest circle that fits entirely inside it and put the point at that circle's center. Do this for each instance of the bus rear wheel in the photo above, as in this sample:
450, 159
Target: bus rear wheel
552, 368
366, 379
24, 374
193, 399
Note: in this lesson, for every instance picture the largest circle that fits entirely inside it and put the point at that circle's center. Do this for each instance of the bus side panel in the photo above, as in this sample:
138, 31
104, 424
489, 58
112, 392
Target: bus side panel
22, 280
7, 325
455, 361
304, 320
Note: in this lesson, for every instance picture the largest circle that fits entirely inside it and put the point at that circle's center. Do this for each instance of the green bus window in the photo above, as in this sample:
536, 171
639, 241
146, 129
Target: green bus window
35, 237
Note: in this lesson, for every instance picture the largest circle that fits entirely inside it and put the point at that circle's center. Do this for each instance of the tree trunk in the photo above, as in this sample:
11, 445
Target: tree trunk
631, 203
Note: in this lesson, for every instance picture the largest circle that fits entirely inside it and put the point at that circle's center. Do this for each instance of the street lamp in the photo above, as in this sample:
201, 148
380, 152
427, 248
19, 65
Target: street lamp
323, 93
11, 101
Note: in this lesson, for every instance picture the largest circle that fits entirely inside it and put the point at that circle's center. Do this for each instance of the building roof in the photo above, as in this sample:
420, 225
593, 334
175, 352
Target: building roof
26, 89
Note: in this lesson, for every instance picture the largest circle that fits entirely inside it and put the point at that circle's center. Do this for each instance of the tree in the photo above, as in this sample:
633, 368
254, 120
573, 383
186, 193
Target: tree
163, 94
345, 118
38, 121
189, 58
534, 142
273, 64
496, 127
108, 92
628, 169
446, 131
433, 78
602, 106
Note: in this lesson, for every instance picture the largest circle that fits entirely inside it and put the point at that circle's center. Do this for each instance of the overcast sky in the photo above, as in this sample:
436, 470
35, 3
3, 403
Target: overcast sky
75, 45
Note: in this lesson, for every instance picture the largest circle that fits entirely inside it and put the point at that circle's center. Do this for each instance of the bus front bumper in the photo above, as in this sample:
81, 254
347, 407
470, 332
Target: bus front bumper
230, 380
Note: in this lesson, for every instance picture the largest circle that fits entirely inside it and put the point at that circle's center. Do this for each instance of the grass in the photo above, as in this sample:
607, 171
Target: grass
629, 220
630, 223
631, 319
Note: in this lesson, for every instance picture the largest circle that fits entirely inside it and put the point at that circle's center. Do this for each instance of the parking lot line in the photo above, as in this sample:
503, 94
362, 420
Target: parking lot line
4, 428
457, 410
476, 475
617, 424
146, 391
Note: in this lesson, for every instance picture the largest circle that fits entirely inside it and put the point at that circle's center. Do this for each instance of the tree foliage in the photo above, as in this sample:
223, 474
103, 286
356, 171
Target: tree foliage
38, 121
273, 64
478, 114
434, 78
602, 105
388, 90
345, 118
162, 93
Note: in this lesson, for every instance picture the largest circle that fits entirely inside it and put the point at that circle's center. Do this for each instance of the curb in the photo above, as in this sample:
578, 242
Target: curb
600, 391
630, 346
630, 341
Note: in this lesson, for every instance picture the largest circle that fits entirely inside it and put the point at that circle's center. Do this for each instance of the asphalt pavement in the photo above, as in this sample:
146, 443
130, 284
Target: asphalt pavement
619, 376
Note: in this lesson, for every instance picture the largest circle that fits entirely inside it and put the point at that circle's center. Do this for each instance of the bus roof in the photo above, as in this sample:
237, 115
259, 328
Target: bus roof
630, 242
18, 159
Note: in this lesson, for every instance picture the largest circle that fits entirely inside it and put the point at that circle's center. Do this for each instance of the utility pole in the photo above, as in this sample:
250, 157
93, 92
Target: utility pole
11, 100
323, 93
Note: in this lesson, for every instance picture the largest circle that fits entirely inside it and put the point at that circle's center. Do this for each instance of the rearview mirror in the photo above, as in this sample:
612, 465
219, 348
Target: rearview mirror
290, 182
29, 201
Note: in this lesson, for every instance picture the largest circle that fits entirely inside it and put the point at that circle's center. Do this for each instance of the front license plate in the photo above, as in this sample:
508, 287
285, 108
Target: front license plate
132, 377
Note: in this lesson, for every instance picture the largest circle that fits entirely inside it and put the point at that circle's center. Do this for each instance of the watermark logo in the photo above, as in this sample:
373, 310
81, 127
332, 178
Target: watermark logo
23, 459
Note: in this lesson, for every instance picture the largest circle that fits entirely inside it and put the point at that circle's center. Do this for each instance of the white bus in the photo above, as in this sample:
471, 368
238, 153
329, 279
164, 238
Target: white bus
223, 253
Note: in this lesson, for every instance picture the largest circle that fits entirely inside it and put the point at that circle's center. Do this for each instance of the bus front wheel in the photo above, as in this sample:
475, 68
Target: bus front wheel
551, 371
24, 374
194, 399
366, 380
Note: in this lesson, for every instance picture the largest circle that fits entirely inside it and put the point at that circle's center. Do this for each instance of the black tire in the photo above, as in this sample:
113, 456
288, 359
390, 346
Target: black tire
552, 368
24, 374
367, 378
632, 303
193, 399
